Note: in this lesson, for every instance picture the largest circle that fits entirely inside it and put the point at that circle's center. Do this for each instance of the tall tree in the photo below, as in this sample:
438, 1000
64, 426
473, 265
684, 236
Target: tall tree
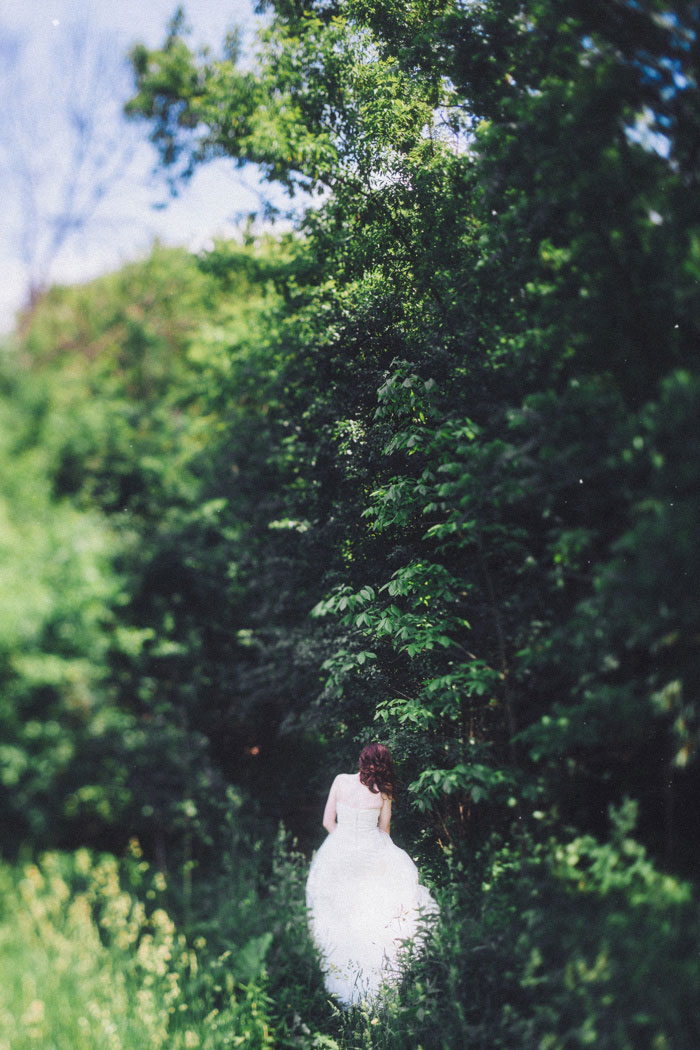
503, 255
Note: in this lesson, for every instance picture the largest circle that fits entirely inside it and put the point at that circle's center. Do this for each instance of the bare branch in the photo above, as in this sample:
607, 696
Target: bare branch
64, 145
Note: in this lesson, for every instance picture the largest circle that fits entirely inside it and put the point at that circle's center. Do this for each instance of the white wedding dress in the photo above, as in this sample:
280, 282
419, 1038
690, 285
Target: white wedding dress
365, 902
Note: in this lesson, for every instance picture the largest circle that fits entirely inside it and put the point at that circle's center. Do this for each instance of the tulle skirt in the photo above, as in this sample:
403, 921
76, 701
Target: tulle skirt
367, 911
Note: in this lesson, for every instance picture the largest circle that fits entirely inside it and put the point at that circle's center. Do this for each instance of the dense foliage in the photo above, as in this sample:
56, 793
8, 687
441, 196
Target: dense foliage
481, 410
425, 469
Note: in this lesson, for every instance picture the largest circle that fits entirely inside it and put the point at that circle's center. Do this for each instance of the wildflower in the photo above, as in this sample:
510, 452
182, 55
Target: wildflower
82, 862
33, 1019
32, 873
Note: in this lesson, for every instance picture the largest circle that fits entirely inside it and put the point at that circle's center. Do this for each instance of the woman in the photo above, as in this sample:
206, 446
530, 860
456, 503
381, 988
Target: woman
362, 892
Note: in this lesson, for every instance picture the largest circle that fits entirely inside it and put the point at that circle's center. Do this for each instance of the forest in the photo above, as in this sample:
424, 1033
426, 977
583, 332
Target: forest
419, 464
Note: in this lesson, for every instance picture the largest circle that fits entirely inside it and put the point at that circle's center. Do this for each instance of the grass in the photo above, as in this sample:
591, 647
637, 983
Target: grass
84, 965
543, 944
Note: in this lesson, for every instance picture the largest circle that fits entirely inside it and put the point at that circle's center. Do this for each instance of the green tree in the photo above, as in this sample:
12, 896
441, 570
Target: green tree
496, 254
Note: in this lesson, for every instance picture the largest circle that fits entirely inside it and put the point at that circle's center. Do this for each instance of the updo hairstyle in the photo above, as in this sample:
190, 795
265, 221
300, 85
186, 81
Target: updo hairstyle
377, 770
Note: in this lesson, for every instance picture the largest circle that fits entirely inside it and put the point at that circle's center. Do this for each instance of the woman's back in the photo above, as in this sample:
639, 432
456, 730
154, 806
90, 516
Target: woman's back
350, 792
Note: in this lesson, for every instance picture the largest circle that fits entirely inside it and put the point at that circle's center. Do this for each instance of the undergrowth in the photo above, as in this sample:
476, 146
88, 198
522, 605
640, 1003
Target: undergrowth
544, 943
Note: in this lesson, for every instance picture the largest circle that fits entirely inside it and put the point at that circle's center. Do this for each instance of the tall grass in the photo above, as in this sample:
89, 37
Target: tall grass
543, 944
85, 965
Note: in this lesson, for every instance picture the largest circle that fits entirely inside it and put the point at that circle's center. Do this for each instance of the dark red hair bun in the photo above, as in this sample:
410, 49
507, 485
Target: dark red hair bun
377, 770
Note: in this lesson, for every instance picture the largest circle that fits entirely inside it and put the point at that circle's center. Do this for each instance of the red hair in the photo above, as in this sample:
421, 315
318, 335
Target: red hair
377, 770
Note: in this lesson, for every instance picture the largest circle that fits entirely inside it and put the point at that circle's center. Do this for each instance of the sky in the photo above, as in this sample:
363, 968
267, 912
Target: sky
42, 74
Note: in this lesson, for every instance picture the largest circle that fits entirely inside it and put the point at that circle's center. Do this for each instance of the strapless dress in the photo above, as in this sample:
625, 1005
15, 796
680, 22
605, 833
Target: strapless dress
367, 909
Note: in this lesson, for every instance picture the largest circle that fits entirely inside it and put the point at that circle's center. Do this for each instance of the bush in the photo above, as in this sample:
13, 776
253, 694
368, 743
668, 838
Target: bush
556, 945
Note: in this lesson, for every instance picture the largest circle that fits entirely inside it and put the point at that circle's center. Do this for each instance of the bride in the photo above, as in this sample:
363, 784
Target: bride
363, 894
